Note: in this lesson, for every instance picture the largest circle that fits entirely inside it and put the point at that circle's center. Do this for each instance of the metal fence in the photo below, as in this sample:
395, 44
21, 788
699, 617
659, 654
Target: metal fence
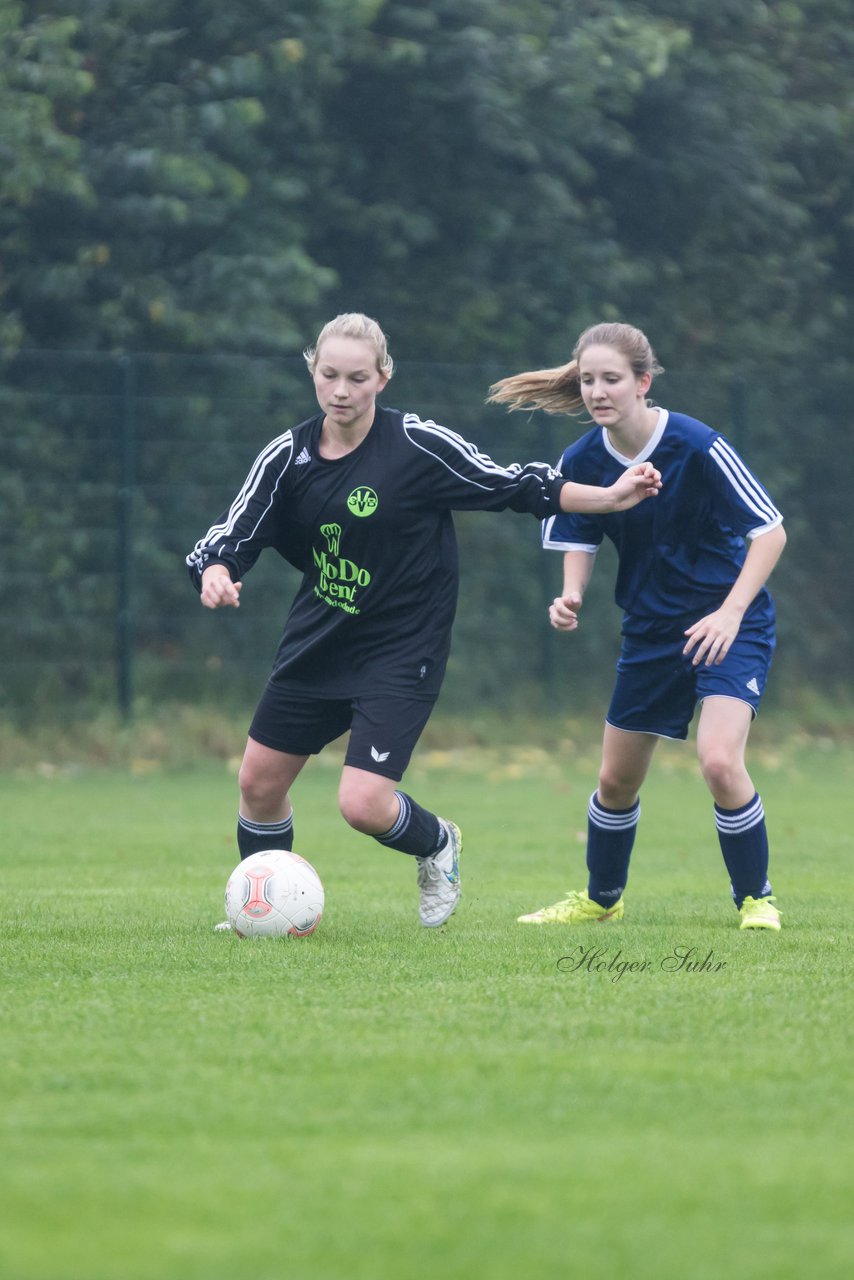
111, 467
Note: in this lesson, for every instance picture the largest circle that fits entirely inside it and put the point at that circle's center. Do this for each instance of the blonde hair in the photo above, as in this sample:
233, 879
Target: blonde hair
352, 324
559, 390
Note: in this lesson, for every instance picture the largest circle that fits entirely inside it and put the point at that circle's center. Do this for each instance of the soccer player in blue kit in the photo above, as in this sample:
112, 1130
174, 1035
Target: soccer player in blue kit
359, 498
698, 622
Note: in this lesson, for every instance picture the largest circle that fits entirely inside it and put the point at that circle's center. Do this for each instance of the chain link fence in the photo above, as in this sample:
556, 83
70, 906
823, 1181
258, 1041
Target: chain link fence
111, 467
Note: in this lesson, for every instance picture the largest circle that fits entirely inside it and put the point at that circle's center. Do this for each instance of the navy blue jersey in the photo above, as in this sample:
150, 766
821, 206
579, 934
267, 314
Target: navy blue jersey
679, 553
374, 536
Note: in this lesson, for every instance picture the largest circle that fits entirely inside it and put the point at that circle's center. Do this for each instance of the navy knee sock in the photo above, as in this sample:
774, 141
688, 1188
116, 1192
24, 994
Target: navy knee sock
610, 837
744, 844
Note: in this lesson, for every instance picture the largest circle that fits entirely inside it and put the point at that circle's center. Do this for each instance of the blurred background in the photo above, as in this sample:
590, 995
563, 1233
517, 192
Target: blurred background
188, 191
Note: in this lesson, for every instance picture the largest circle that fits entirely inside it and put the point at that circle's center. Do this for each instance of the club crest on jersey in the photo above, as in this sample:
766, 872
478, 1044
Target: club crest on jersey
362, 501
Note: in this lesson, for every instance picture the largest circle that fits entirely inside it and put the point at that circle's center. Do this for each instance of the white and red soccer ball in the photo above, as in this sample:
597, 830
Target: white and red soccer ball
274, 893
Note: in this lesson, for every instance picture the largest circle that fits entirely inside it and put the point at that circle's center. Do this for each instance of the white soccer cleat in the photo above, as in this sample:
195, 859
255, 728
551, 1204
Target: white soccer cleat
224, 926
439, 879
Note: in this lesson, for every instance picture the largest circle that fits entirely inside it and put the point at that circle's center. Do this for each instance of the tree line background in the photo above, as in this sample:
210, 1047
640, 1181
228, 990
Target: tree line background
188, 190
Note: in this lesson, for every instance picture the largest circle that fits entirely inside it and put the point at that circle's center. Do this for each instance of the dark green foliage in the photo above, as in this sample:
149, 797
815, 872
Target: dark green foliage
210, 183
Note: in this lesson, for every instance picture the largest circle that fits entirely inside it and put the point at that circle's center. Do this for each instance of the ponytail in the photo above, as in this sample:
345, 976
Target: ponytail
553, 390
559, 390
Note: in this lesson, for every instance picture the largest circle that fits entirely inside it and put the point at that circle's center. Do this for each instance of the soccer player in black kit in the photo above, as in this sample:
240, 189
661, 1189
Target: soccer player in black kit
359, 498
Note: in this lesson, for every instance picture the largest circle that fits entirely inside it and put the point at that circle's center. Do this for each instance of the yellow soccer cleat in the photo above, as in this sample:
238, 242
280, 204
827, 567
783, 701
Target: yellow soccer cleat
759, 913
576, 908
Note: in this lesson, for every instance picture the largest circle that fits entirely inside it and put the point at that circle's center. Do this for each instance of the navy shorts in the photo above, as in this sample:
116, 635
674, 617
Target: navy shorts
383, 730
658, 687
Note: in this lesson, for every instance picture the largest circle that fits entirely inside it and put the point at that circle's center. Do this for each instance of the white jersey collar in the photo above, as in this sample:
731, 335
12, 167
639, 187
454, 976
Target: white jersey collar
649, 448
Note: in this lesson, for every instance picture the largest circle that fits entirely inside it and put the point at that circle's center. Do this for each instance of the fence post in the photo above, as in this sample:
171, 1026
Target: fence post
124, 538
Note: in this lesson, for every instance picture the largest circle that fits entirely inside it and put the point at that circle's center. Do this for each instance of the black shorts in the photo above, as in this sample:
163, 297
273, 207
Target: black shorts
383, 730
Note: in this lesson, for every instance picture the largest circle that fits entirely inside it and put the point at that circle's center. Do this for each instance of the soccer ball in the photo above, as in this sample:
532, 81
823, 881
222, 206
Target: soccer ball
274, 894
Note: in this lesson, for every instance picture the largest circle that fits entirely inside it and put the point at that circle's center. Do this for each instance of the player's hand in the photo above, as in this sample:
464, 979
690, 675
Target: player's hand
563, 611
635, 484
711, 637
218, 591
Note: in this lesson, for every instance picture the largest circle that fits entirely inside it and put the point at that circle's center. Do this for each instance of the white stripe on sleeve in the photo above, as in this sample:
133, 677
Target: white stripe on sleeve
238, 507
469, 455
744, 482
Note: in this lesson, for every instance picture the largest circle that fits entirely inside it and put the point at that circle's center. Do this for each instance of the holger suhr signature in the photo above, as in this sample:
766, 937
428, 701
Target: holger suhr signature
679, 959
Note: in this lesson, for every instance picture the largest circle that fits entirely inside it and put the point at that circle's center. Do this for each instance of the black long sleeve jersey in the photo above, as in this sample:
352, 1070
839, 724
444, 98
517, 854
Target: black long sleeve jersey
374, 537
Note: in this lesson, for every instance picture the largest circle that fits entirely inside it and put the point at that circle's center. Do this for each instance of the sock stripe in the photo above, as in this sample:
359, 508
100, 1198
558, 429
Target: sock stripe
266, 828
612, 819
402, 818
734, 821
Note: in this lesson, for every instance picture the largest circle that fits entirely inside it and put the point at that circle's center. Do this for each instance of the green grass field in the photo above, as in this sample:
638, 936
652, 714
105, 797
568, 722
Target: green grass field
382, 1101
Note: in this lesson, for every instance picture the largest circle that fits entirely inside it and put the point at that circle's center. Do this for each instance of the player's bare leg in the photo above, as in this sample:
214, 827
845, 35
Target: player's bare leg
368, 801
626, 758
375, 805
721, 744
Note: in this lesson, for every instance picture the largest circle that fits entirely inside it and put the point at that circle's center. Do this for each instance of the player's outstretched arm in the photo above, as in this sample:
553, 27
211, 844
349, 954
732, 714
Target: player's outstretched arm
634, 485
218, 590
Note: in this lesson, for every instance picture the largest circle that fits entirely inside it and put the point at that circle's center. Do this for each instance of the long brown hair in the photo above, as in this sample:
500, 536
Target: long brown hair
559, 390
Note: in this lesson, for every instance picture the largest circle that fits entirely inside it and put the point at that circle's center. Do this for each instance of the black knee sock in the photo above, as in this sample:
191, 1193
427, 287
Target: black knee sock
417, 831
253, 837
